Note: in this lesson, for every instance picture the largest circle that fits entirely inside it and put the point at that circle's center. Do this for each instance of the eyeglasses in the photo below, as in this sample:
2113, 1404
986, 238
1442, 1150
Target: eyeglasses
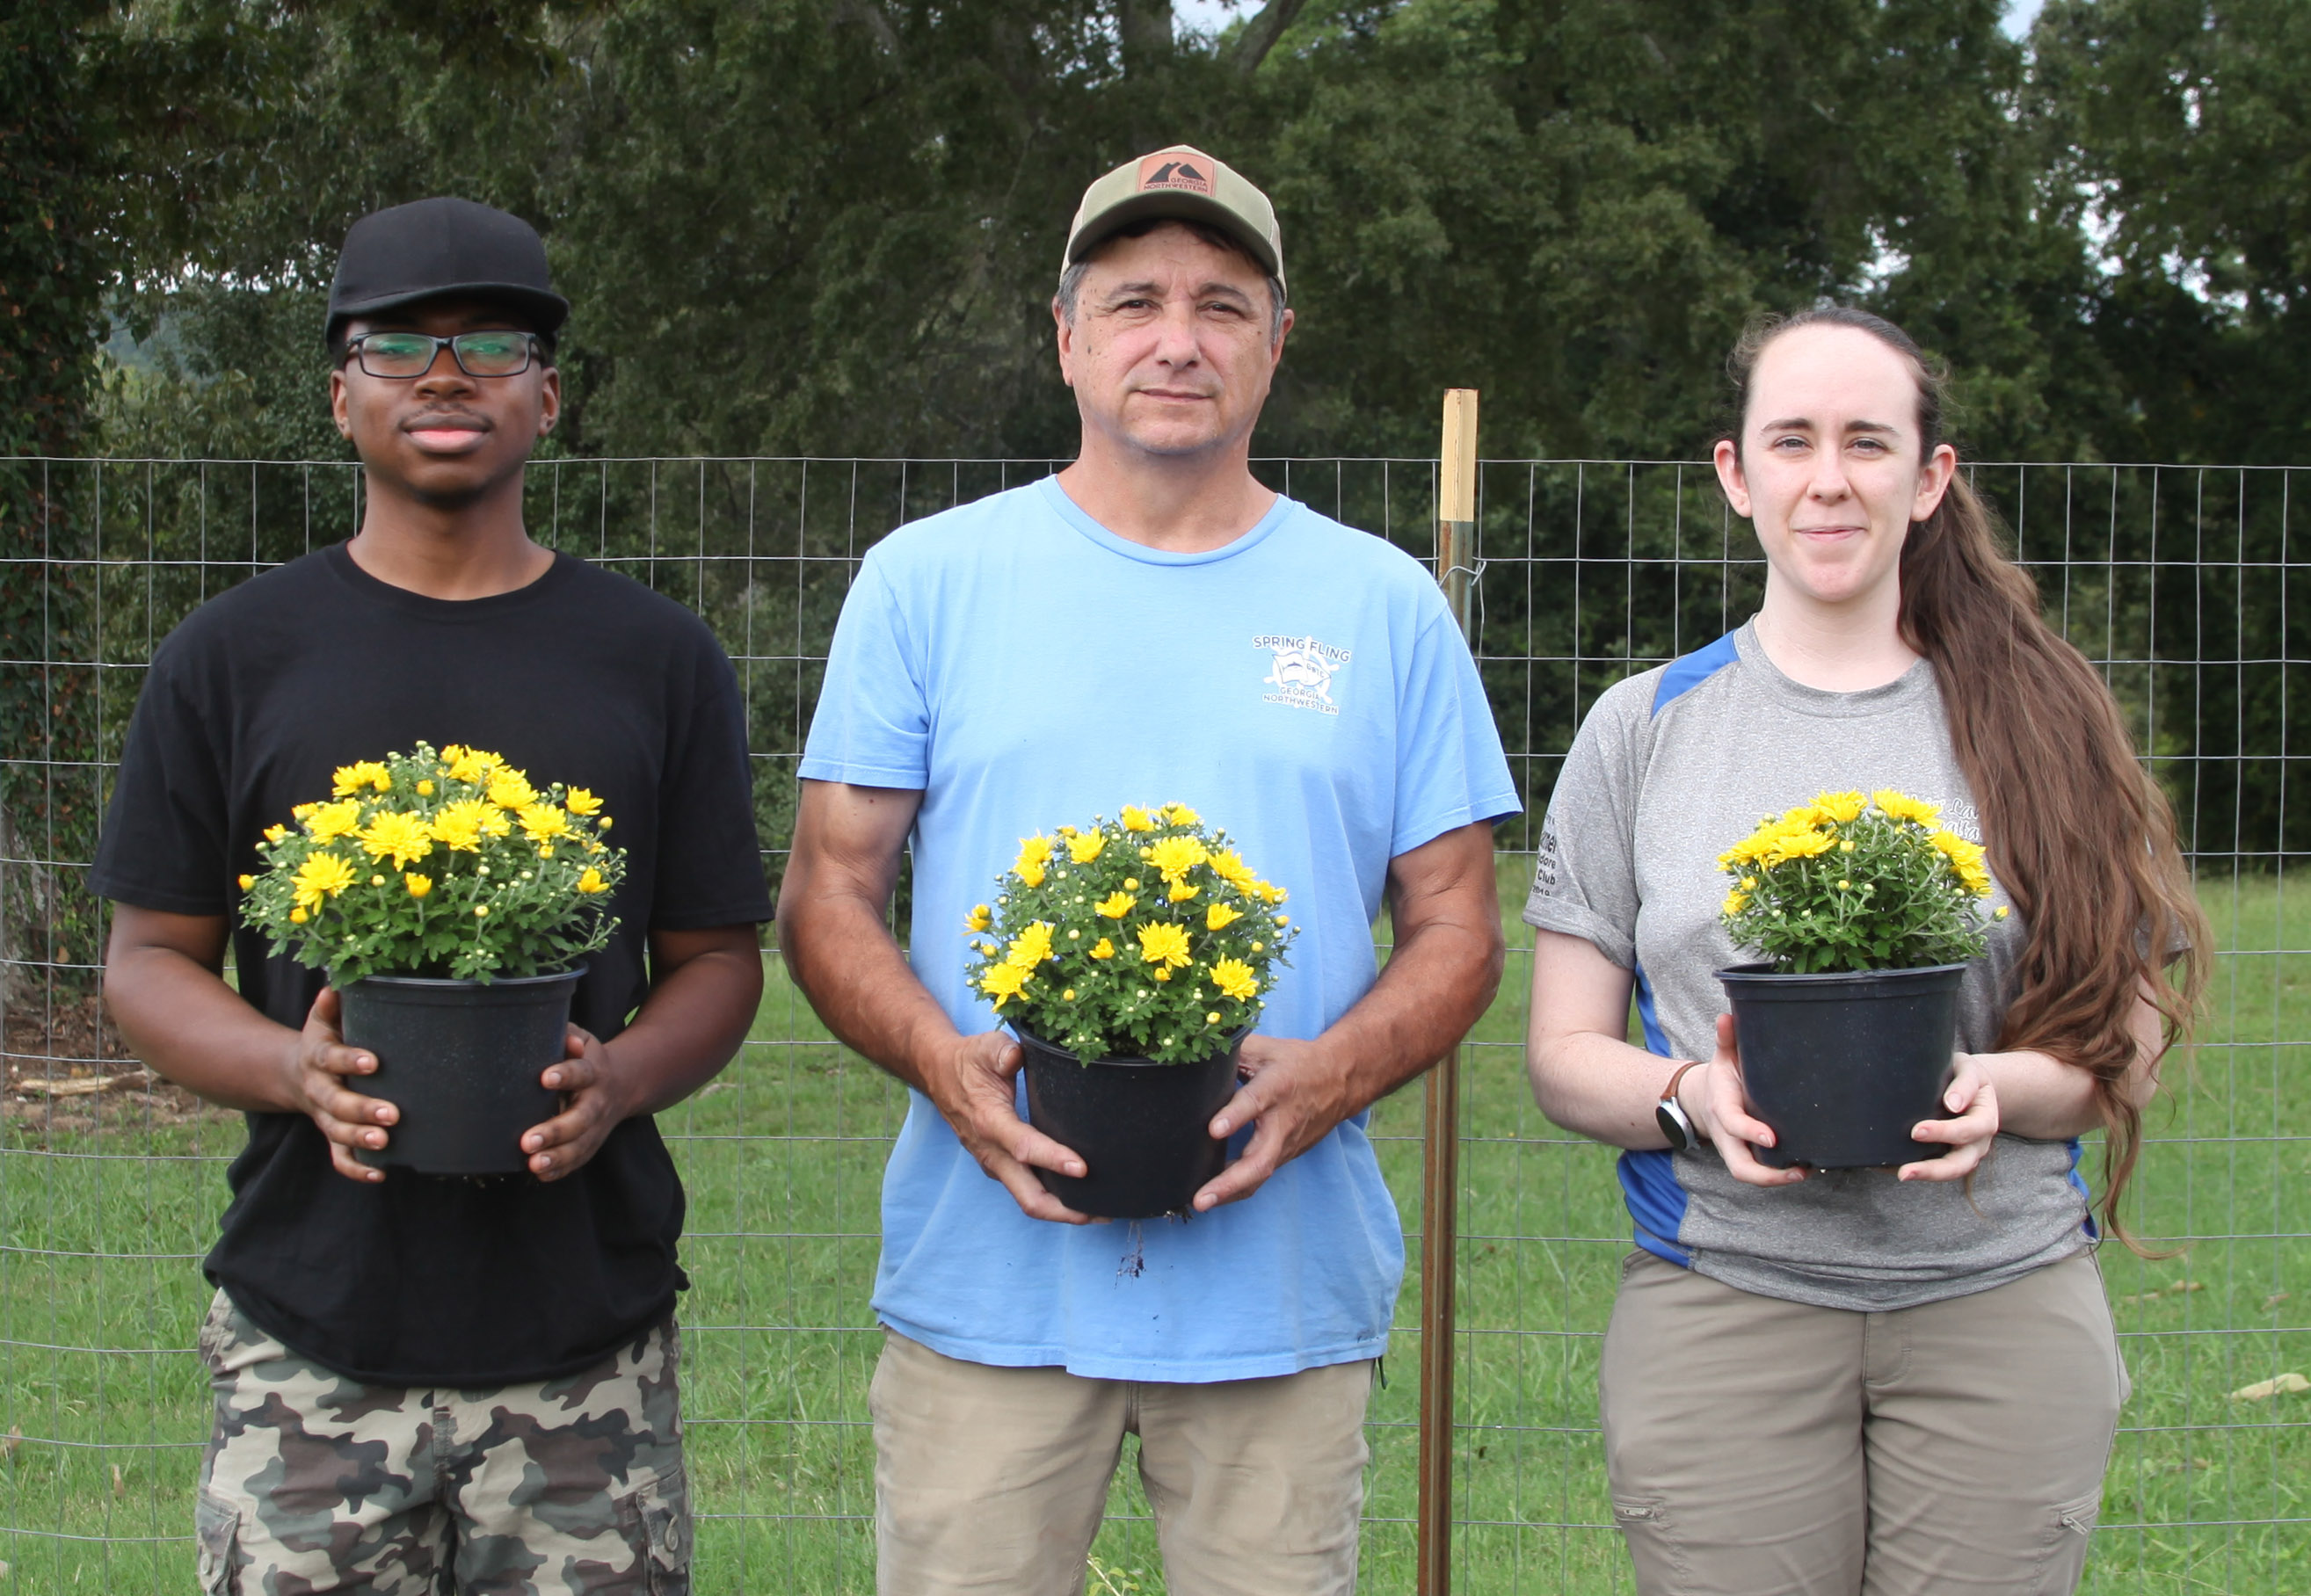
412, 355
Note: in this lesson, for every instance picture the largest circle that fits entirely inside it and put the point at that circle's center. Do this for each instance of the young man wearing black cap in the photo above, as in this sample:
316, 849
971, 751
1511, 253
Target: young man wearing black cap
426, 1383
1291, 679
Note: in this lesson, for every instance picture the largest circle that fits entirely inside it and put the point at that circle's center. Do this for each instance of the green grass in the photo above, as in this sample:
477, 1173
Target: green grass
101, 1228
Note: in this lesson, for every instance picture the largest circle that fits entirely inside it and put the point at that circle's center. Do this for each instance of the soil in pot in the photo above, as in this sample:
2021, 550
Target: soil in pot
1142, 1129
1843, 1065
461, 1062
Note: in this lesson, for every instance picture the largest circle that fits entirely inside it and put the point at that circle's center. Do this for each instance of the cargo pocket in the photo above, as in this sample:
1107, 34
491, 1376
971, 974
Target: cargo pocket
216, 1525
2064, 1558
655, 1519
1644, 1524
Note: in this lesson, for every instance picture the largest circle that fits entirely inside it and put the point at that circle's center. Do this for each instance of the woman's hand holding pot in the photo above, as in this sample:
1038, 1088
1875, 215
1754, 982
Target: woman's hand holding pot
1973, 1099
1724, 1117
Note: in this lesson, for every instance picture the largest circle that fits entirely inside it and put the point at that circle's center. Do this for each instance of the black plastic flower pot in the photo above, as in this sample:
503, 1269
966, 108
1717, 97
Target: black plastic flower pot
461, 1062
1843, 1065
1142, 1129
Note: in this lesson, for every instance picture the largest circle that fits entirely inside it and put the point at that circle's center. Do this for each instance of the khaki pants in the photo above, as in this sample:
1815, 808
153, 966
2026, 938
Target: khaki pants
993, 1479
1763, 1448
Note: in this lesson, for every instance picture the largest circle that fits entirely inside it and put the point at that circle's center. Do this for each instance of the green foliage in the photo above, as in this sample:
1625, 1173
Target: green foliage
1846, 883
437, 864
1143, 937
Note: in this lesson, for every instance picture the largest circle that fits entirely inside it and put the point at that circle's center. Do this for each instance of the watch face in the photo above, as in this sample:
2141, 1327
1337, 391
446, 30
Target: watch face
1673, 1127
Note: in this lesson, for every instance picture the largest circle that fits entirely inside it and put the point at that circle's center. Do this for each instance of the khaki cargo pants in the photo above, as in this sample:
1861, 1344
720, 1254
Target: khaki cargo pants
1759, 1447
316, 1483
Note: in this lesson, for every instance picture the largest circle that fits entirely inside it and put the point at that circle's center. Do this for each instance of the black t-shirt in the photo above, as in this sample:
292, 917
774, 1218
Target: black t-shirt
582, 678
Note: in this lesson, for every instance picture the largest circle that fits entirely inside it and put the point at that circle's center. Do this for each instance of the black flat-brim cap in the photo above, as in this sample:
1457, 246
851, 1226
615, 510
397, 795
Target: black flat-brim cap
431, 247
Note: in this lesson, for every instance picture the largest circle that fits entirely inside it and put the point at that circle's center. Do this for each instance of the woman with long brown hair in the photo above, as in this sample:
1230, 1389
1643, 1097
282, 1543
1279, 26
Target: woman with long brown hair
1838, 1381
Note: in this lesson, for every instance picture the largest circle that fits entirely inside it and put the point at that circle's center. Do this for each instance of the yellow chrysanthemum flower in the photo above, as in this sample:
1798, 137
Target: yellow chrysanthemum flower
510, 789
1030, 873
1999, 912
1794, 844
1003, 982
1136, 819
1182, 891
580, 801
469, 764
1268, 892
544, 821
1840, 807
1901, 806
1164, 946
1219, 915
1234, 978
299, 811
425, 790
1180, 815
1035, 850
321, 876
1735, 901
1084, 846
458, 825
1104, 950
1230, 867
591, 882
327, 821
351, 777
1116, 905
274, 833
1803, 815
297, 917
403, 838
1030, 948
1174, 857
247, 882
1966, 860
418, 886
979, 919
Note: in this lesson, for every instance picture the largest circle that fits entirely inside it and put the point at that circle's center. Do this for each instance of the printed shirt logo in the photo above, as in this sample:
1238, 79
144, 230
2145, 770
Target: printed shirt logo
1156, 172
1302, 673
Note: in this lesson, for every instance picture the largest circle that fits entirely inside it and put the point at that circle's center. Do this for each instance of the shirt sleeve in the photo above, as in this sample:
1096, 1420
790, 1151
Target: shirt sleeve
872, 726
167, 831
1451, 770
1584, 882
710, 859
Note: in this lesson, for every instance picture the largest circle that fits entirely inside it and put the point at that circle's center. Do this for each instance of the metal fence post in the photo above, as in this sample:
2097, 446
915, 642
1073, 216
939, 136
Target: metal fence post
1440, 1178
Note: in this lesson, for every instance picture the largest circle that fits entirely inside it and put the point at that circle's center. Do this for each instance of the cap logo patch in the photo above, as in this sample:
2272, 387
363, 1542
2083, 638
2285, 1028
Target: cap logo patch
1157, 172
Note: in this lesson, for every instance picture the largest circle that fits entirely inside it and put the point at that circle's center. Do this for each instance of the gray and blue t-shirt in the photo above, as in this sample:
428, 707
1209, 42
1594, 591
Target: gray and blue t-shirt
1668, 770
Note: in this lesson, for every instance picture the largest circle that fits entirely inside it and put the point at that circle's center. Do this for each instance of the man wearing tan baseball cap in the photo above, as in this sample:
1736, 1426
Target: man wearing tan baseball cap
1150, 625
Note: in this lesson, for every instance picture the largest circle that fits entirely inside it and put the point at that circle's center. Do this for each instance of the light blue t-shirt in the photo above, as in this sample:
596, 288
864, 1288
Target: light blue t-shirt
1303, 687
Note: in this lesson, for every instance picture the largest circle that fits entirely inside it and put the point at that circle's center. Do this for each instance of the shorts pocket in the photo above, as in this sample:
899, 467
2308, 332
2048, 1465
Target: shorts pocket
2068, 1534
216, 1525
655, 1519
1645, 1524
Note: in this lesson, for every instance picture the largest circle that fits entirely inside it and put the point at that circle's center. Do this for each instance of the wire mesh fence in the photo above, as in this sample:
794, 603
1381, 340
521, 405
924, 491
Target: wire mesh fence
2176, 581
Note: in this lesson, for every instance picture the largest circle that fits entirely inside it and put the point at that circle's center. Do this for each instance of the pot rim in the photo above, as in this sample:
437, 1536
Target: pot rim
1764, 971
444, 983
1129, 1061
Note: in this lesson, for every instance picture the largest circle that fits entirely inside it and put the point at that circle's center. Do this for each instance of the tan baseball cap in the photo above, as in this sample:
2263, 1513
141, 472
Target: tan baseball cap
1179, 182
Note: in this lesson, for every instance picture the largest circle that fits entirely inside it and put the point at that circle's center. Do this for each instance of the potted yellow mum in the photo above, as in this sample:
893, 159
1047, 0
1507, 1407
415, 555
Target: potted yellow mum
450, 900
1132, 958
1867, 911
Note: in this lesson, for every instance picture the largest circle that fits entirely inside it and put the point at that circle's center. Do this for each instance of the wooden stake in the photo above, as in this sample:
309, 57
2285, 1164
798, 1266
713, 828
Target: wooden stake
1440, 1174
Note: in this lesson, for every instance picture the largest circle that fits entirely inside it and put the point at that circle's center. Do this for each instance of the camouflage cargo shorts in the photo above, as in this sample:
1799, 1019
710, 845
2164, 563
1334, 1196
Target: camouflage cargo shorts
314, 1482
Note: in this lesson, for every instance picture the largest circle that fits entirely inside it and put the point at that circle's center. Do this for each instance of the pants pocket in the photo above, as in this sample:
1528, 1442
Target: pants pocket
216, 1525
656, 1518
2068, 1533
1645, 1525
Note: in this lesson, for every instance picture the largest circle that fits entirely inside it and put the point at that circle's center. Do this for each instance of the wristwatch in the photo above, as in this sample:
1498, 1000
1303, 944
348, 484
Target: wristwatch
1669, 1114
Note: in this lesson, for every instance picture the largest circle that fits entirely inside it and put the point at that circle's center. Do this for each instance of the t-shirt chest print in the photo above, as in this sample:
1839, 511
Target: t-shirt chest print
1302, 671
